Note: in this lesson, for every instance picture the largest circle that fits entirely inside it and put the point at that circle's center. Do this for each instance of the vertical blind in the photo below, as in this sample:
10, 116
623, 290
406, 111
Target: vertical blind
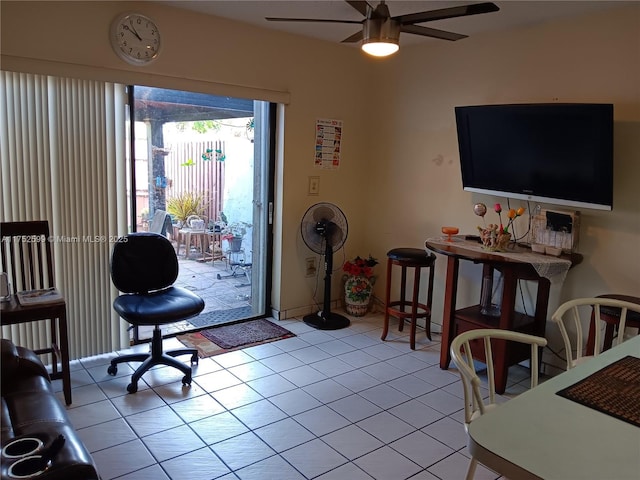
62, 151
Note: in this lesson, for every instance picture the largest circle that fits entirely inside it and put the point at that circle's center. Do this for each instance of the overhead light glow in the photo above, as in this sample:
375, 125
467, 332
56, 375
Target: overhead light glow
380, 49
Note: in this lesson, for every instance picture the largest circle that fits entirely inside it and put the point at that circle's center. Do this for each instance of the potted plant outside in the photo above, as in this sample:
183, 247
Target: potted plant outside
234, 233
184, 205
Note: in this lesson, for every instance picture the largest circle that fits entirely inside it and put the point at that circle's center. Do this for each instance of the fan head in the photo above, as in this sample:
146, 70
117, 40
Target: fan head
324, 224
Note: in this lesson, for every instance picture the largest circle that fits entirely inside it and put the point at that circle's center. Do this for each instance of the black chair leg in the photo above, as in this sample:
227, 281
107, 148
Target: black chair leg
156, 357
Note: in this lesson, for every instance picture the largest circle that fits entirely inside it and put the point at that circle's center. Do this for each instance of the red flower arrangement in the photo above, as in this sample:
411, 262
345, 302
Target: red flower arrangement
360, 267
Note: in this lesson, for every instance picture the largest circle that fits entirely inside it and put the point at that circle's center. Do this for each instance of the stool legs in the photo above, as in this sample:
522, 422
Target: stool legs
403, 293
387, 301
398, 308
414, 310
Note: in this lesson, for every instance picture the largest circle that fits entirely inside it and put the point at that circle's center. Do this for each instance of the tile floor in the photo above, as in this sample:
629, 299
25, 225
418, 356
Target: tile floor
326, 405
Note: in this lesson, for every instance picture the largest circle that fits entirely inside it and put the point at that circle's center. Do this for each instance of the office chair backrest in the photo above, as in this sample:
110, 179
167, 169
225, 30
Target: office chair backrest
143, 262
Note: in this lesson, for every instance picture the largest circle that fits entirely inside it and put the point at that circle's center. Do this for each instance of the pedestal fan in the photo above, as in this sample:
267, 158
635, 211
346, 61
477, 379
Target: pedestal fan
324, 230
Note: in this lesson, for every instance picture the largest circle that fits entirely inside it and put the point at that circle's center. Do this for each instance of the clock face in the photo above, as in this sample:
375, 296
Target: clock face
135, 38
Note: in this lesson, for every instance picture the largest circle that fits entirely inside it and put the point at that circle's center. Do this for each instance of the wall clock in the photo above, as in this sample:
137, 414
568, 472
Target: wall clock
135, 38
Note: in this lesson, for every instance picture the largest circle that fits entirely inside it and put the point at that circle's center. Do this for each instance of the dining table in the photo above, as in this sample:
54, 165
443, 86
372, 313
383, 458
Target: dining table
580, 425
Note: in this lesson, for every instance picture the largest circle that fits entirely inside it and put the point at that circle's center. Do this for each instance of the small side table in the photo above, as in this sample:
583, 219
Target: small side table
186, 234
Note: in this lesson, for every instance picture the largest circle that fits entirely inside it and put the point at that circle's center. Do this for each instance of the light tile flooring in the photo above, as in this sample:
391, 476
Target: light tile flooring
326, 405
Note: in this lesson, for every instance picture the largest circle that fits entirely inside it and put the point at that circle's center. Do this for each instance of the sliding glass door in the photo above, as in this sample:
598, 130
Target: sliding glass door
200, 173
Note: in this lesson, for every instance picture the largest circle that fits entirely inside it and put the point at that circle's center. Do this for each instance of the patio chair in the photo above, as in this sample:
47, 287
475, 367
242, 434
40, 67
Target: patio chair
144, 267
158, 222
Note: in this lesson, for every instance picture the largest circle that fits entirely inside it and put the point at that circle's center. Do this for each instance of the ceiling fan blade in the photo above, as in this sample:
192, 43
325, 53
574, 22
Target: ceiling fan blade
321, 20
361, 6
431, 32
356, 37
443, 13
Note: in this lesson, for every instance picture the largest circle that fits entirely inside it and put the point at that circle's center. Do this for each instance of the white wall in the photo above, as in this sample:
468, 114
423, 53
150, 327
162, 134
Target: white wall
399, 181
592, 59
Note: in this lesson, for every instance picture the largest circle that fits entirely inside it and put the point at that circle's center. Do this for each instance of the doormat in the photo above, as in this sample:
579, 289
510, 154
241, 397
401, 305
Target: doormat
217, 317
217, 340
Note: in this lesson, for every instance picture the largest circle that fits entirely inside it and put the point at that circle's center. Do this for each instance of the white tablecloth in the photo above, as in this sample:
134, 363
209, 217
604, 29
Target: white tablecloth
552, 268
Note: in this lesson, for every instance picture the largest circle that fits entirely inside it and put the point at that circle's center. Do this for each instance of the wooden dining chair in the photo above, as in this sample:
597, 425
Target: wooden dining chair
27, 258
474, 397
594, 313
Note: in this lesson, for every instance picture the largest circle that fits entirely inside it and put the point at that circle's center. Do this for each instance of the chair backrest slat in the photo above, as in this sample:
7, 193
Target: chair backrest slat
581, 311
462, 355
27, 254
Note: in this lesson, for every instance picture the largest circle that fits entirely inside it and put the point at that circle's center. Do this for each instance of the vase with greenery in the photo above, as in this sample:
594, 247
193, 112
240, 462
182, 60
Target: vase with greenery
359, 280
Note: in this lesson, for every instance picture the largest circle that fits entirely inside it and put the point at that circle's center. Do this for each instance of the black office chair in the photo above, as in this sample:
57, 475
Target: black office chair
144, 267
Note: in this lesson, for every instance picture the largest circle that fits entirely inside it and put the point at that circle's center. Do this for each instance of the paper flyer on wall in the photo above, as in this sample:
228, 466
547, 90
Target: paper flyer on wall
328, 141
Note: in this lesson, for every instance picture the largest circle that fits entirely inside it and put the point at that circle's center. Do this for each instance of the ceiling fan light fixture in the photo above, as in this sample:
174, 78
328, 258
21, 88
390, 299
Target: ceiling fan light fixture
380, 49
381, 37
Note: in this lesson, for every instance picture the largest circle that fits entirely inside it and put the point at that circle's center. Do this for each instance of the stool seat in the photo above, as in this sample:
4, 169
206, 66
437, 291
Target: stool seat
632, 317
611, 316
412, 256
404, 308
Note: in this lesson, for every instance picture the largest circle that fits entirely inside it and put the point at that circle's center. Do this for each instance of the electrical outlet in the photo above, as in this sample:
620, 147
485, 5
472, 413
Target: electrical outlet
311, 267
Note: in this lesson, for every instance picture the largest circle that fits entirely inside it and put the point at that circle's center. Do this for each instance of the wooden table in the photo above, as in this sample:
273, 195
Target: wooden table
541, 435
12, 313
518, 263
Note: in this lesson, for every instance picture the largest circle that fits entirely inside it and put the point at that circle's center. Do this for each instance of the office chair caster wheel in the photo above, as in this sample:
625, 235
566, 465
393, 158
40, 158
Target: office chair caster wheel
186, 380
132, 388
194, 359
112, 370
219, 277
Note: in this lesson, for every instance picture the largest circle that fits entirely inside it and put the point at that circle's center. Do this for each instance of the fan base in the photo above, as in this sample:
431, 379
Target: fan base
332, 321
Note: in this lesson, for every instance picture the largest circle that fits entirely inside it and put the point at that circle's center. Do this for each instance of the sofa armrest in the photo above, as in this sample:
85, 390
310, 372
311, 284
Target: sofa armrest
19, 362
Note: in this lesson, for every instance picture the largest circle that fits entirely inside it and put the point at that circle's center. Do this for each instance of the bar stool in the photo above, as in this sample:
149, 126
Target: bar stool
409, 258
611, 315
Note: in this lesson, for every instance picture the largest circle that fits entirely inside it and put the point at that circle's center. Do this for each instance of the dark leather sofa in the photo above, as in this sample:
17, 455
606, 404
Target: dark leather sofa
31, 409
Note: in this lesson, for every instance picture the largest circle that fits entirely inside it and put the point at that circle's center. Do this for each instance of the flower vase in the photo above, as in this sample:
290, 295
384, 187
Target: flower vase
493, 241
357, 294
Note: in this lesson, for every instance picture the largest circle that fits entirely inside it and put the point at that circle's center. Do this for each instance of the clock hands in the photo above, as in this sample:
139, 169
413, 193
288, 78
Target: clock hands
132, 30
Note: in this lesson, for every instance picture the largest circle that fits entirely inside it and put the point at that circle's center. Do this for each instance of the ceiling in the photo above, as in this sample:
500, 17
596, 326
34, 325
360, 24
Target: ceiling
512, 14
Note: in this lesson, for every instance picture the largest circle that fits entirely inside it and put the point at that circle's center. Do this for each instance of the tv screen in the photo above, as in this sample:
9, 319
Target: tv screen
553, 153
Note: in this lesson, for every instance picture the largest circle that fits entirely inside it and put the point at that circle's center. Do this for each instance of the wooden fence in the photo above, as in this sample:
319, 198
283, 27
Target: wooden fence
187, 171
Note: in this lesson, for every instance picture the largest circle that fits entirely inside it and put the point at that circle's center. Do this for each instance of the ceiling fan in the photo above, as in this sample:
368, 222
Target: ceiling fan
380, 32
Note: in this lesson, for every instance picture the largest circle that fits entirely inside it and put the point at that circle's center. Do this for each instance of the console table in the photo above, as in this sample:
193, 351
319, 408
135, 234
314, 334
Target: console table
517, 263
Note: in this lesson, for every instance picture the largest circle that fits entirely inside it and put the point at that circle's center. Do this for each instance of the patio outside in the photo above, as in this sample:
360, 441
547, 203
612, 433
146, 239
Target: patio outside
223, 298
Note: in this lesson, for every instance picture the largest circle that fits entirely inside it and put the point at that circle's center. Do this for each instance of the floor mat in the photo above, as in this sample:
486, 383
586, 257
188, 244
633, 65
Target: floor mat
213, 341
221, 316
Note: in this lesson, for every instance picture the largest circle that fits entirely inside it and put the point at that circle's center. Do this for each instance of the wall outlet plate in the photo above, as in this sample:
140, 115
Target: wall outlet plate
311, 267
314, 186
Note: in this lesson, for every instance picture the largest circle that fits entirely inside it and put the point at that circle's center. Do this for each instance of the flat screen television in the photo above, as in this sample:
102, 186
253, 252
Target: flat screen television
560, 153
